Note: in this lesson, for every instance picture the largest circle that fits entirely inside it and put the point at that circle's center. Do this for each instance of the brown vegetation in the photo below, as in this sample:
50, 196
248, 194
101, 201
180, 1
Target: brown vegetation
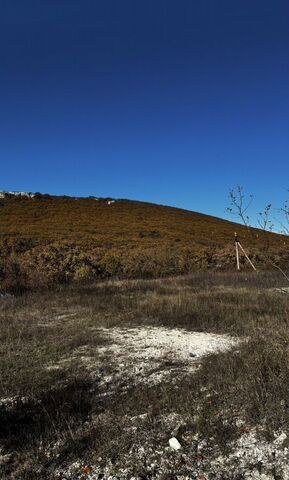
46, 240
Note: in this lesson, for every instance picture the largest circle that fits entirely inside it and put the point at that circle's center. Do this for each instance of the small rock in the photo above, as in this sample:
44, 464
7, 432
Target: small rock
174, 443
240, 423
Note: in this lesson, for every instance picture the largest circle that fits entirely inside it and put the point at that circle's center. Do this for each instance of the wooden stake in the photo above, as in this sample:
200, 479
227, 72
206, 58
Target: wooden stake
253, 266
237, 252
237, 246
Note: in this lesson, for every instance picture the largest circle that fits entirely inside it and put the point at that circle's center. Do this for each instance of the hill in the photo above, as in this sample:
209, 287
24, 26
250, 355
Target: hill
49, 238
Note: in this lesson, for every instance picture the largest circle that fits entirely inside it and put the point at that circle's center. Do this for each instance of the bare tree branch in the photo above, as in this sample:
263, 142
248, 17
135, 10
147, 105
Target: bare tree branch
239, 206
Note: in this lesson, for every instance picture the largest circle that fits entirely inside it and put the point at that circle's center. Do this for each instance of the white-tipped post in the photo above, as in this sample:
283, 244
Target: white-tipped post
237, 252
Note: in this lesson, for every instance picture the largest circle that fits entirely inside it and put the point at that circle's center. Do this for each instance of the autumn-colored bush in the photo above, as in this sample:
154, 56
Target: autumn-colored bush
16, 277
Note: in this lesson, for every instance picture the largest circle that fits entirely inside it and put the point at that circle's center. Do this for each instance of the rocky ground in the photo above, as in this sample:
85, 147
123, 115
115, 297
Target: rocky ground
251, 458
173, 379
152, 355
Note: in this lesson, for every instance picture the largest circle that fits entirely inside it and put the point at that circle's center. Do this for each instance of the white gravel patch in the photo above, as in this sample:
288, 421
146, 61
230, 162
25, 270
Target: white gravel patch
148, 343
150, 354
268, 460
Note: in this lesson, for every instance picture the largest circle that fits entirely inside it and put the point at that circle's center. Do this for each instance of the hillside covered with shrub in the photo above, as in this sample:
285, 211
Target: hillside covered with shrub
47, 239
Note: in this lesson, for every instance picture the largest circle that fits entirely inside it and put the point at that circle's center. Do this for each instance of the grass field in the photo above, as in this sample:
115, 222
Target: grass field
89, 391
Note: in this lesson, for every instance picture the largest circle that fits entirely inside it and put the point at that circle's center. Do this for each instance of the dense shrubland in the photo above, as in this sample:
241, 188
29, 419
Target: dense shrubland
48, 240
43, 266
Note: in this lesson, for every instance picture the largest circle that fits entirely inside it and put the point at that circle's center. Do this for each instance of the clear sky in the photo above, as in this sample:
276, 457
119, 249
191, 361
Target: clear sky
168, 101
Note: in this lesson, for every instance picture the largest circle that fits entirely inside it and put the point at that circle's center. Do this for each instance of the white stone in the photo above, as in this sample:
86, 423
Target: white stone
174, 443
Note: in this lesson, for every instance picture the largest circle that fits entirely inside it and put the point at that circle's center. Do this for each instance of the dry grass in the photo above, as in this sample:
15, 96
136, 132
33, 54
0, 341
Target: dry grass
61, 414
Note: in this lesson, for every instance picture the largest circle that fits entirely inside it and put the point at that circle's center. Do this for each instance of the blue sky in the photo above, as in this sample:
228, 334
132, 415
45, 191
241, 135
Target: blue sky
168, 101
